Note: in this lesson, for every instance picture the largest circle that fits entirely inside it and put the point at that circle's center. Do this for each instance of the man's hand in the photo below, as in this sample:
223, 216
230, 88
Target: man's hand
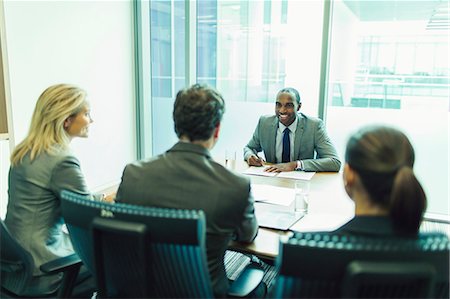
254, 160
290, 166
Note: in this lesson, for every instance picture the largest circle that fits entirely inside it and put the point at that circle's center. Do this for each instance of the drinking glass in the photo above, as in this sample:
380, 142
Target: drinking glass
230, 159
301, 196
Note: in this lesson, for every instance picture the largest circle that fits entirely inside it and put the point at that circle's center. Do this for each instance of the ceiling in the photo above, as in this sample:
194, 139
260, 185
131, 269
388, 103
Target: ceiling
436, 12
393, 10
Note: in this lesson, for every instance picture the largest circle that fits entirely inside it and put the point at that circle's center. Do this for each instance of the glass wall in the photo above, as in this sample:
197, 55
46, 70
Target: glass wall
387, 65
242, 48
248, 50
167, 48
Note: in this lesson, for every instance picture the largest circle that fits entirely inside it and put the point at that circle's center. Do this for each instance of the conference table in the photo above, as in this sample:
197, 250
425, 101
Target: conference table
329, 208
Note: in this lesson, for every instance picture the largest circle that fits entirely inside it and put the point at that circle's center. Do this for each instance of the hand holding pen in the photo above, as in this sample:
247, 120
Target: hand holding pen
255, 160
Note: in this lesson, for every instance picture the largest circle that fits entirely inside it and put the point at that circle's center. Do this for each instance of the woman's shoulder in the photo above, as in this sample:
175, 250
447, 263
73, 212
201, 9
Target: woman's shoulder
50, 161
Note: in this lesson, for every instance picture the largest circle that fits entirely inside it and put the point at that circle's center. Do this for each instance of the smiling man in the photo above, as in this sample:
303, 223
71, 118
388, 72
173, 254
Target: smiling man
291, 140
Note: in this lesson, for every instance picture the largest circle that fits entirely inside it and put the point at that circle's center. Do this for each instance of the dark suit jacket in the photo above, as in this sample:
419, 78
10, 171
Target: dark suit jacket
310, 139
370, 226
373, 226
186, 177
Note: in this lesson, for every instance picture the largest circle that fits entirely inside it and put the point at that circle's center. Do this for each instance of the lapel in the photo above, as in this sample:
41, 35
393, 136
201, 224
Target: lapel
270, 155
298, 135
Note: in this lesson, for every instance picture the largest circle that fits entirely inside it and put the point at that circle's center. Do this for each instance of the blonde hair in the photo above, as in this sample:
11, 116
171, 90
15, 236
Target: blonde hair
47, 133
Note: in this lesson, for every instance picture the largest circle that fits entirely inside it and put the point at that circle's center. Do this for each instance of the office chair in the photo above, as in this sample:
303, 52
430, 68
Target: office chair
329, 265
138, 251
17, 269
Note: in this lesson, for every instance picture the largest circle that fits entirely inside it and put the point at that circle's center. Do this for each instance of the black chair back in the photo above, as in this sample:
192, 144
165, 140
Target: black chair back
329, 265
17, 267
138, 251
15, 261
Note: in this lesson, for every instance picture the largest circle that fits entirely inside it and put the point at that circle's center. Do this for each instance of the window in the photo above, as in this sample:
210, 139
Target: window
248, 50
167, 31
387, 66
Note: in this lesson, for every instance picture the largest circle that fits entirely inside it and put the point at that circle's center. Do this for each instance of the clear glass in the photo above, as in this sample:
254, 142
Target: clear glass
301, 201
388, 67
249, 50
230, 159
167, 67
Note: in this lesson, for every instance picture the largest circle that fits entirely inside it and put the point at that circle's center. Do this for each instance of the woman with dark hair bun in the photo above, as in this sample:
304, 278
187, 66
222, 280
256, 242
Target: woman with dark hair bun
379, 177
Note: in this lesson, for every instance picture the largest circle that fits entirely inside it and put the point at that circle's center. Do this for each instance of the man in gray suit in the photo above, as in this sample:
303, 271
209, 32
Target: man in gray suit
186, 177
291, 140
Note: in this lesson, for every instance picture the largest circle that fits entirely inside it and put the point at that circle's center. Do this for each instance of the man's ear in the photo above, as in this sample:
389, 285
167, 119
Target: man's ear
216, 131
299, 106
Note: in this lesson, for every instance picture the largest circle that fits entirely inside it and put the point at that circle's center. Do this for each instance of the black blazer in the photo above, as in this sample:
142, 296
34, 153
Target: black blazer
186, 177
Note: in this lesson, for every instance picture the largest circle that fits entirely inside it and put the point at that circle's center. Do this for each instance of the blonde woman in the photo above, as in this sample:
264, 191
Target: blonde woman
41, 166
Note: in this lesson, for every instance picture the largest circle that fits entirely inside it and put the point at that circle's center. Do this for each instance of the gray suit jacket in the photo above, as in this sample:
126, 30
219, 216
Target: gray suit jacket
34, 216
186, 177
310, 139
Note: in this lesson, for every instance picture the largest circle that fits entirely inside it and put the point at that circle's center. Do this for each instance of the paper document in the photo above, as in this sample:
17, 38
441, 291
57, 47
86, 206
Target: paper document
321, 222
275, 217
253, 170
273, 195
298, 175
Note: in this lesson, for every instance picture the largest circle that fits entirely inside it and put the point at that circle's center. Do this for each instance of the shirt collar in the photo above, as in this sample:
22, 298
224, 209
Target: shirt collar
292, 127
182, 146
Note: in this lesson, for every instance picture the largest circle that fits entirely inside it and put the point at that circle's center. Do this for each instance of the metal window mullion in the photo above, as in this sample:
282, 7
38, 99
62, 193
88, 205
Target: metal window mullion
324, 61
190, 42
143, 95
172, 47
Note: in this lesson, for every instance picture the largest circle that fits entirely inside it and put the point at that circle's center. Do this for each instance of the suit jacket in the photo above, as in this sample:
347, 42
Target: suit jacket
368, 226
310, 138
185, 177
373, 226
34, 217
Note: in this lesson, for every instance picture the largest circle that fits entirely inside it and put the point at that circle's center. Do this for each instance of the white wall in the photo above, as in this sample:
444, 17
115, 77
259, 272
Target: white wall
4, 165
237, 127
87, 43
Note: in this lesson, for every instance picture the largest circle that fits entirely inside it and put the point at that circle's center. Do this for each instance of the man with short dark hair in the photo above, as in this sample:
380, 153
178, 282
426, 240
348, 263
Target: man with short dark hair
291, 140
186, 177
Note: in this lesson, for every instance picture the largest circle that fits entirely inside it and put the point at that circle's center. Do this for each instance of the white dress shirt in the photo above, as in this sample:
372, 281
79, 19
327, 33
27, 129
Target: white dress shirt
279, 140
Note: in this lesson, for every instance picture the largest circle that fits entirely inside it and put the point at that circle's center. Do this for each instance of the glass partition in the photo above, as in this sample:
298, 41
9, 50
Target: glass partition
248, 50
388, 66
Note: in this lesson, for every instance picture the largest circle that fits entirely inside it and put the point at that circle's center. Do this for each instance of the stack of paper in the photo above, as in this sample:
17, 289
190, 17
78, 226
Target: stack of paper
253, 170
273, 195
298, 175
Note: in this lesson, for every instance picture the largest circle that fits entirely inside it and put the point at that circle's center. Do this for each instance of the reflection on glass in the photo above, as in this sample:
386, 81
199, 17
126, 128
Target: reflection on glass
387, 65
251, 49
241, 48
167, 47
167, 30
248, 50
387, 61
